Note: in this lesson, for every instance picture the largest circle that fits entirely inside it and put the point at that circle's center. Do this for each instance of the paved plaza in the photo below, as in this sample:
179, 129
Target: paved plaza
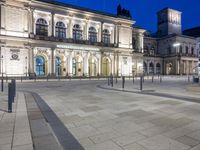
90, 115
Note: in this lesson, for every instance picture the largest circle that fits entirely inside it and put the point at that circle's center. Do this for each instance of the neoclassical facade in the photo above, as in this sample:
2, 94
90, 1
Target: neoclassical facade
41, 37
169, 51
50, 38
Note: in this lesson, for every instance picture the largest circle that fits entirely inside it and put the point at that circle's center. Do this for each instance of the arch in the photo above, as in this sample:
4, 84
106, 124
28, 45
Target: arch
77, 66
106, 36
58, 66
106, 66
60, 30
169, 68
93, 63
186, 49
40, 65
169, 50
151, 68
92, 34
158, 68
192, 50
145, 67
77, 32
41, 27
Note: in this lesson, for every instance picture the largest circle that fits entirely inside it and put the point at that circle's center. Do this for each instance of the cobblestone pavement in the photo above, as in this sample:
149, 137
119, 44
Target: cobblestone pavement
100, 119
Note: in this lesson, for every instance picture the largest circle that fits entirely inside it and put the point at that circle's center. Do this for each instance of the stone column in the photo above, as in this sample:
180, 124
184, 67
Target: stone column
31, 21
86, 30
102, 31
141, 42
52, 62
31, 60
69, 31
3, 17
52, 24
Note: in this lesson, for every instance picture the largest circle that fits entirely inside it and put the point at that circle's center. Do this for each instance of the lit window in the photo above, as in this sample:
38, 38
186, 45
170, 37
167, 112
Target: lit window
92, 34
41, 27
106, 36
77, 32
60, 30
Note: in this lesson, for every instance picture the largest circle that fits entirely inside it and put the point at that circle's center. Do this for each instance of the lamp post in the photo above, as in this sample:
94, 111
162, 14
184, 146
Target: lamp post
2, 75
26, 66
177, 46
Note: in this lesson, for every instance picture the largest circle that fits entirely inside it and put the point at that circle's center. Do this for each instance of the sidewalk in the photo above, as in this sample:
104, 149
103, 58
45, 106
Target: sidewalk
14, 127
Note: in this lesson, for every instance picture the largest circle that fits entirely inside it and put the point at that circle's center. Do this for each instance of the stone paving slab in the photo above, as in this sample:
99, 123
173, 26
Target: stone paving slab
125, 121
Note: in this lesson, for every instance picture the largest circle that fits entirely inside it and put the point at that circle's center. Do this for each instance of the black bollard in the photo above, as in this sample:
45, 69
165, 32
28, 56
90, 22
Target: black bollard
13, 81
116, 81
10, 97
143, 79
21, 78
133, 79
123, 81
112, 81
2, 85
141, 82
152, 78
188, 78
160, 79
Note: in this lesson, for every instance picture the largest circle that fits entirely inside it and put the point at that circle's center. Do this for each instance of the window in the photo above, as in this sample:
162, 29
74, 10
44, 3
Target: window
92, 34
77, 32
41, 27
106, 36
152, 50
192, 51
60, 30
181, 50
186, 49
169, 50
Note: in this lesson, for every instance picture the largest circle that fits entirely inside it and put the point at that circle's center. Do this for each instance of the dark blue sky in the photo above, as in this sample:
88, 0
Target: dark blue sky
144, 11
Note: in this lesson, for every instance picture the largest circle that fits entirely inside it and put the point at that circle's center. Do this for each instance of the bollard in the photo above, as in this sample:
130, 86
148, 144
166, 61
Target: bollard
123, 82
2, 85
188, 78
112, 81
152, 78
21, 78
133, 79
141, 81
116, 81
47, 77
10, 97
35, 79
13, 81
160, 79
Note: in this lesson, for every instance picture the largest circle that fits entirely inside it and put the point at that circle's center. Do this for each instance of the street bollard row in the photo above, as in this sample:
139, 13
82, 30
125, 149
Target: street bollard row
11, 94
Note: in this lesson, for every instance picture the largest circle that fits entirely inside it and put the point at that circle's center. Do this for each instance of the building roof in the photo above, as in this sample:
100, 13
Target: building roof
195, 32
54, 2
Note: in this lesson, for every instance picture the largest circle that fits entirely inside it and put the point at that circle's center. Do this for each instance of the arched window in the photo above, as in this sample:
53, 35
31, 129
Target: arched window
146, 49
152, 50
192, 50
181, 49
77, 32
92, 34
58, 64
186, 49
158, 68
106, 36
151, 68
40, 66
144, 67
60, 30
41, 27
169, 50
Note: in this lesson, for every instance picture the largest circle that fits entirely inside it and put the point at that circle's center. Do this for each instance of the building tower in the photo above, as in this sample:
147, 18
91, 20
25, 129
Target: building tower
169, 22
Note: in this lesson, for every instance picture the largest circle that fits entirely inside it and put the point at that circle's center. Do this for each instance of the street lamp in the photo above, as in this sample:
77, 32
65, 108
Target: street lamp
26, 66
2, 66
177, 46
